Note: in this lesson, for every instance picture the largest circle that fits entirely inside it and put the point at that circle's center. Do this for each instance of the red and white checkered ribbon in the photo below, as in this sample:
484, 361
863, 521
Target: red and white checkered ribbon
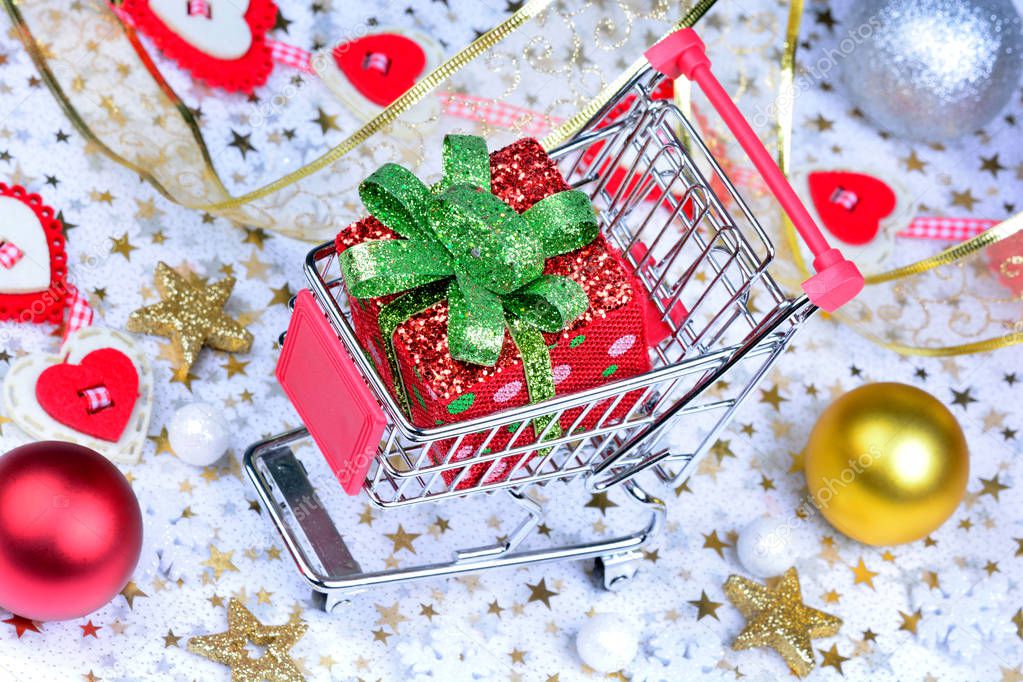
9, 254
80, 313
97, 398
292, 56
199, 8
498, 114
947, 229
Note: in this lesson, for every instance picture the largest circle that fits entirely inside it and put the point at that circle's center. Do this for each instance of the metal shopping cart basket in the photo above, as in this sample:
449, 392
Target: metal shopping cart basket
702, 252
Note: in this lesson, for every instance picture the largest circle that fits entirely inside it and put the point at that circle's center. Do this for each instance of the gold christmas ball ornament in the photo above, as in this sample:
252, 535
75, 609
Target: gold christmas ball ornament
887, 463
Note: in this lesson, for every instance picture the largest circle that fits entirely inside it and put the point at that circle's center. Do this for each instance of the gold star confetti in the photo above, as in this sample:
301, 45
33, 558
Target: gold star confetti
220, 562
131, 592
402, 539
864, 575
539, 592
778, 618
705, 607
191, 316
230, 648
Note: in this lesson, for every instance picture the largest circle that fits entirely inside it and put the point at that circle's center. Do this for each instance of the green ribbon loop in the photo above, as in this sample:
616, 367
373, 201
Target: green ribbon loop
466, 162
397, 198
387, 266
550, 303
563, 222
464, 244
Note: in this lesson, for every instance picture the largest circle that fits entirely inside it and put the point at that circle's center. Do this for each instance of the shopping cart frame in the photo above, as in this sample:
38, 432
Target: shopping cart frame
617, 452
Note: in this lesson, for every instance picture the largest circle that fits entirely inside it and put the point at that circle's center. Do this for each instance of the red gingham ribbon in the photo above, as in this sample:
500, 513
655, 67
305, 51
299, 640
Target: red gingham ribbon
80, 313
199, 7
946, 229
9, 254
498, 114
292, 56
97, 397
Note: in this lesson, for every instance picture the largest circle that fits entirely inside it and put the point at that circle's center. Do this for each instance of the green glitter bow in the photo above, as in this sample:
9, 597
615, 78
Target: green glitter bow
464, 244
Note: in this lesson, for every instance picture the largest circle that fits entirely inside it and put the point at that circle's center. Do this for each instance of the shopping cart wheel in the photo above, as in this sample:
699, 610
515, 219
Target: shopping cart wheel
331, 603
615, 571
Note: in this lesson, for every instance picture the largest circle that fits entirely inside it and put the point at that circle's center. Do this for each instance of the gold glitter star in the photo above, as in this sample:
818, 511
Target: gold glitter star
778, 618
230, 648
191, 316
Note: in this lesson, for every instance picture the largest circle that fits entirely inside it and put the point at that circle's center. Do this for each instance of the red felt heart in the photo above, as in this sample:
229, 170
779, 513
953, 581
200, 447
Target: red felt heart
59, 391
851, 205
382, 66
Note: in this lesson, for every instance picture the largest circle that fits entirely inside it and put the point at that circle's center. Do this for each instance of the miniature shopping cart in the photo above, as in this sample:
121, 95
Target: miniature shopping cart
702, 257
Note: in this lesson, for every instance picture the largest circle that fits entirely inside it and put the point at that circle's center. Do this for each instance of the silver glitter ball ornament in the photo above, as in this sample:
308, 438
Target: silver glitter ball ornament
931, 70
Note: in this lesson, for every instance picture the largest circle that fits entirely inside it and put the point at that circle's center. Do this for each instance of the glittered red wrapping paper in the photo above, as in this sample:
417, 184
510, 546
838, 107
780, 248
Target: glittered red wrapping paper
608, 342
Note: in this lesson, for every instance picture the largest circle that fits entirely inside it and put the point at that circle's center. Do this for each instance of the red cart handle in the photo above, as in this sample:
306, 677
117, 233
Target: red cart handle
838, 280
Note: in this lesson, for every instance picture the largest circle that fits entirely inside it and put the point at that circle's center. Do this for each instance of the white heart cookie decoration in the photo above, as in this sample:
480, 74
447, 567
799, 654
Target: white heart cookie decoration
21, 406
223, 34
20, 226
428, 111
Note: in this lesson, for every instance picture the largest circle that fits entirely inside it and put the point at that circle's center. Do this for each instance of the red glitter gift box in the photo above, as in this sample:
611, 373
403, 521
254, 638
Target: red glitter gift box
605, 343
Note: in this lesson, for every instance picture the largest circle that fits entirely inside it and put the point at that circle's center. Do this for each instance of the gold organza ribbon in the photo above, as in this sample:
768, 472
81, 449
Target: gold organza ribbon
112, 91
562, 61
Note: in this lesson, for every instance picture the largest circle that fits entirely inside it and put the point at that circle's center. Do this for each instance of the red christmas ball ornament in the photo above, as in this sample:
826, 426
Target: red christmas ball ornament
70, 531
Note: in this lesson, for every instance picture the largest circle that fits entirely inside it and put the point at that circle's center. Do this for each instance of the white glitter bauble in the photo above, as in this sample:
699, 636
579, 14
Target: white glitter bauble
765, 547
606, 643
198, 435
931, 69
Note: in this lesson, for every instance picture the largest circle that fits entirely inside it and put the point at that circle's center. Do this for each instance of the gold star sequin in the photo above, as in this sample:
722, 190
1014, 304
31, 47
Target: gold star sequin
539, 592
220, 562
864, 575
778, 618
191, 316
705, 607
131, 592
230, 648
402, 539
